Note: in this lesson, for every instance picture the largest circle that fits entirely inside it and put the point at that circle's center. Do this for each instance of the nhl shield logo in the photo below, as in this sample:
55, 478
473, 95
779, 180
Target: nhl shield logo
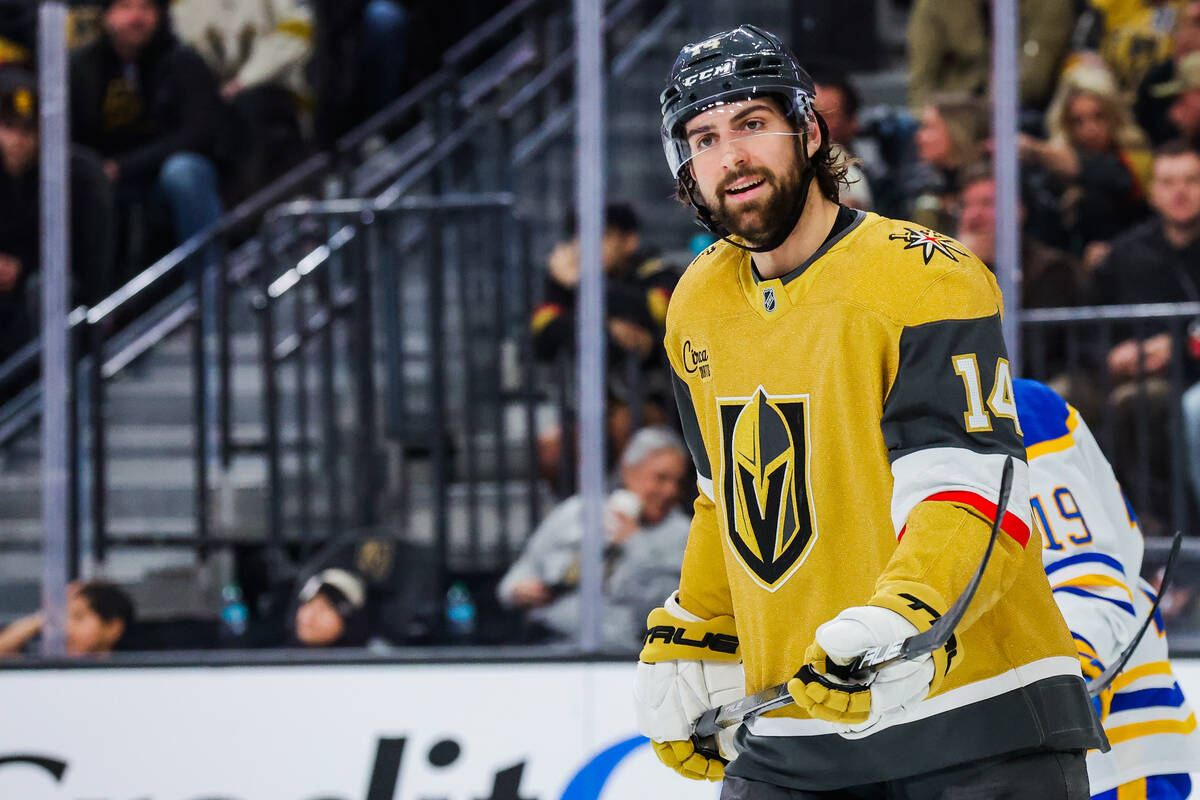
764, 485
769, 299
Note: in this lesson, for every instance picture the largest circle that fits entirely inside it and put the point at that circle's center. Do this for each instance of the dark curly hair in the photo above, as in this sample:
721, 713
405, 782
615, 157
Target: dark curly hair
829, 164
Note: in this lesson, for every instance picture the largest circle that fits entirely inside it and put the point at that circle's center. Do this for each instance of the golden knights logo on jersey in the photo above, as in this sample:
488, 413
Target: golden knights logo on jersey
764, 484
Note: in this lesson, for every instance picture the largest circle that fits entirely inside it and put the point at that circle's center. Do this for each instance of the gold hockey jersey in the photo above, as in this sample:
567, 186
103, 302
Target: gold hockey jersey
849, 422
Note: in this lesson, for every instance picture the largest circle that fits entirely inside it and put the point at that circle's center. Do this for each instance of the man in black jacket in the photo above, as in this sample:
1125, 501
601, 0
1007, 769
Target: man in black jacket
1155, 262
20, 255
149, 106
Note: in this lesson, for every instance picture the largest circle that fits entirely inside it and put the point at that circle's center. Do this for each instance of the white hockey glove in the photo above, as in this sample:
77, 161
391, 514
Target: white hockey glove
887, 693
687, 666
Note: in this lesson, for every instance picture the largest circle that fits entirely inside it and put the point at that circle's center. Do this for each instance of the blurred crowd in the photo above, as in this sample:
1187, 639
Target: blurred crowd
180, 109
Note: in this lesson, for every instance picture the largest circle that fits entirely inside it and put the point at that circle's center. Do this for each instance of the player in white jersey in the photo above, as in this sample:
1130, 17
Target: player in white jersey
1092, 552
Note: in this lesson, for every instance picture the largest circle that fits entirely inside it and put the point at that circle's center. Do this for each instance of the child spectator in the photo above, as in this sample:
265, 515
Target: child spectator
331, 611
98, 615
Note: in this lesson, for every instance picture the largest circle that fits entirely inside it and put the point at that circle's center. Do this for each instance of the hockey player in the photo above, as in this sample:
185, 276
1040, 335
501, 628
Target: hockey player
843, 388
1092, 551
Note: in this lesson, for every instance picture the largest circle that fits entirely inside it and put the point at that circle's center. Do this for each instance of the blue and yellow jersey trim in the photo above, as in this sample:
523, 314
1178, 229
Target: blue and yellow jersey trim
1047, 420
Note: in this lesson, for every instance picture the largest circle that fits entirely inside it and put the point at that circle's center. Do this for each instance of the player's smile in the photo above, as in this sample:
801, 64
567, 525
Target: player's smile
746, 189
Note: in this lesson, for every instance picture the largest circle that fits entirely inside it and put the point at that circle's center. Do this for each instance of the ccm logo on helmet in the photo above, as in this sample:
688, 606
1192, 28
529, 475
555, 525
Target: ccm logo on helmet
718, 71
717, 642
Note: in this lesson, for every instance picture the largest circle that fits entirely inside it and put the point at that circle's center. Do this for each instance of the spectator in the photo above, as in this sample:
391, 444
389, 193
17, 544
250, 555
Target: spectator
1133, 35
1050, 278
1156, 262
647, 534
838, 101
1095, 161
331, 611
637, 291
98, 615
953, 130
259, 53
1153, 106
149, 106
1184, 93
20, 189
949, 48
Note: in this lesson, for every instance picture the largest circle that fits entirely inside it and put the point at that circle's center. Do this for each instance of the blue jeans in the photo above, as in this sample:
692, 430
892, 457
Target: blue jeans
384, 51
187, 183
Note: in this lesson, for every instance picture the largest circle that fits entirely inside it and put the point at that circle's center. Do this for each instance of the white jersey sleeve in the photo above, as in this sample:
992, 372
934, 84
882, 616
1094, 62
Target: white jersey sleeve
1092, 553
1091, 543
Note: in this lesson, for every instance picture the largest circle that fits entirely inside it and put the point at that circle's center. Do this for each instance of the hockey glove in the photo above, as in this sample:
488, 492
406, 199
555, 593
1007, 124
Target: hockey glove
886, 692
687, 666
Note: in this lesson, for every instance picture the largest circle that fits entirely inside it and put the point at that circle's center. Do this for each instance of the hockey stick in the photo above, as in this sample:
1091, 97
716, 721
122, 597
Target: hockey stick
1101, 682
713, 721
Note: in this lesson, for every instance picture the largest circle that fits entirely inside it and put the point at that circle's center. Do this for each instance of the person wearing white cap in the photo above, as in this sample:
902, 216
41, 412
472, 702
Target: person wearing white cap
331, 610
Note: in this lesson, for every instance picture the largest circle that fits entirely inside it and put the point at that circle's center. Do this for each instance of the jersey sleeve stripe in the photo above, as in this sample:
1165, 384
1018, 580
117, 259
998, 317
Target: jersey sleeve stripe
1012, 524
1057, 445
1126, 732
1158, 619
1141, 671
1084, 646
920, 476
1084, 581
1085, 558
1146, 698
705, 485
1075, 590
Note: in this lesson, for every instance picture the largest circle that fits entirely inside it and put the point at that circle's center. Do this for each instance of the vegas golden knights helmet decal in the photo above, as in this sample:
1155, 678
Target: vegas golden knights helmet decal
764, 484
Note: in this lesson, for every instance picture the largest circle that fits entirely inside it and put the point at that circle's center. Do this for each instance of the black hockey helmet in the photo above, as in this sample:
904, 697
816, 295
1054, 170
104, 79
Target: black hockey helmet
735, 65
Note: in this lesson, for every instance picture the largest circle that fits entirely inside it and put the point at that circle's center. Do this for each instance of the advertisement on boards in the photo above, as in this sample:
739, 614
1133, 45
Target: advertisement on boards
379, 732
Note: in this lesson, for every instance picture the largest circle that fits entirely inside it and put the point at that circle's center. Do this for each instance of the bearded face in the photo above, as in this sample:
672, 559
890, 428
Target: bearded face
755, 202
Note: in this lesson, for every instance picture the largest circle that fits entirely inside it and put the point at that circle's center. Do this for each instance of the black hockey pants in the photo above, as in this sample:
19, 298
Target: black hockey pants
1044, 776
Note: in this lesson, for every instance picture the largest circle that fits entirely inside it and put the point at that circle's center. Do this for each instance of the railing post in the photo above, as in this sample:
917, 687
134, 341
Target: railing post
303, 479
327, 288
200, 268
590, 133
437, 414
365, 260
56, 344
266, 334
98, 489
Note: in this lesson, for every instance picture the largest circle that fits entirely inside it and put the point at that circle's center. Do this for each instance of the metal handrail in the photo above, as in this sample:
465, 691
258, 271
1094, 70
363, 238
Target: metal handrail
1122, 313
315, 168
472, 42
